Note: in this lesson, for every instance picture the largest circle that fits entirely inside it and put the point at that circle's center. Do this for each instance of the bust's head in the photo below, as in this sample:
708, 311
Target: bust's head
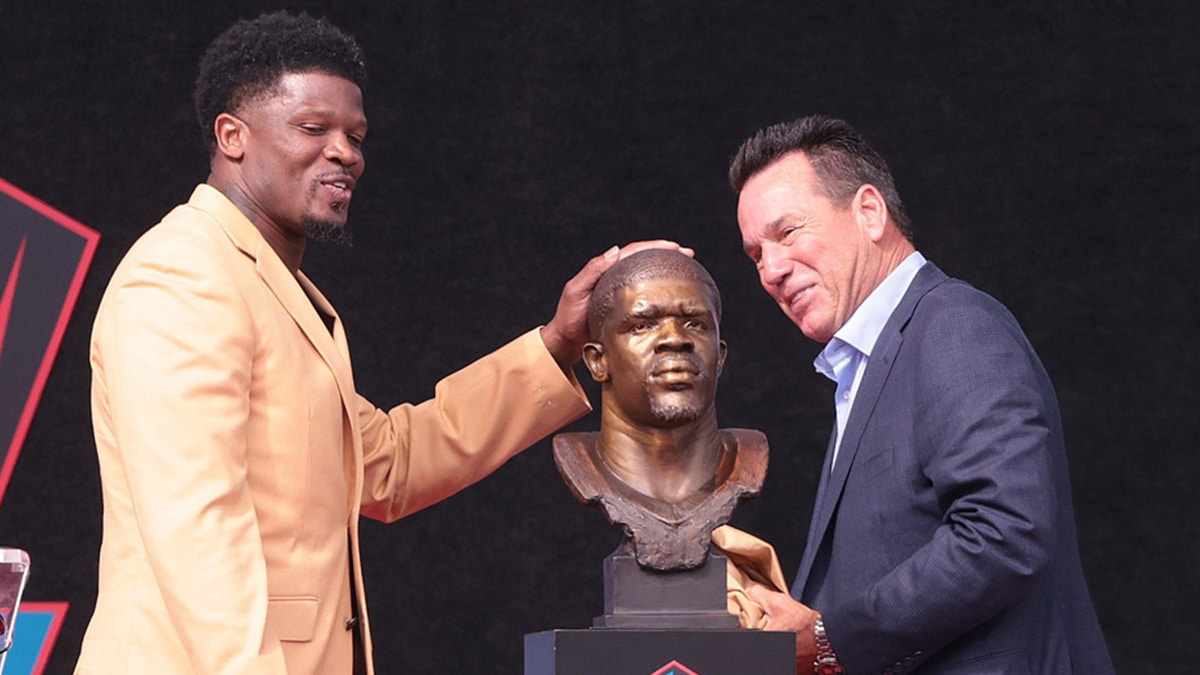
656, 347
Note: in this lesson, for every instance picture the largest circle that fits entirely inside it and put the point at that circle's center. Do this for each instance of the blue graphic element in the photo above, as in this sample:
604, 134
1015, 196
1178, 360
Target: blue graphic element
29, 635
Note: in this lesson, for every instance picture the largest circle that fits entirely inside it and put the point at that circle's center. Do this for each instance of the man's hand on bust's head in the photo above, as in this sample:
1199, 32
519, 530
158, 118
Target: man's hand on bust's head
565, 334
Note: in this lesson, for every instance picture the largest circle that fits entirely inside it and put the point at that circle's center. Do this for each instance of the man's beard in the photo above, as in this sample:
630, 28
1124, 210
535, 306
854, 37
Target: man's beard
328, 232
674, 414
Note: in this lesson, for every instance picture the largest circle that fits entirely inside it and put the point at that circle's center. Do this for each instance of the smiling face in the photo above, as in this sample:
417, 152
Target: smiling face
659, 353
814, 258
298, 148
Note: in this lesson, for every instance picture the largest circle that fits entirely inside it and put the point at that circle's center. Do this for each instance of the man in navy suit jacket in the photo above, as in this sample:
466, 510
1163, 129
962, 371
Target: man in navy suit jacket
943, 536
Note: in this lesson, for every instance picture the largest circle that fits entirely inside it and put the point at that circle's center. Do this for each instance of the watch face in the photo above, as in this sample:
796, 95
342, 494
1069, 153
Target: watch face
827, 664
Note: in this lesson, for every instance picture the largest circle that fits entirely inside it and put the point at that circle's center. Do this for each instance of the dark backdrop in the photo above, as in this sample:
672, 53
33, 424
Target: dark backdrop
1046, 151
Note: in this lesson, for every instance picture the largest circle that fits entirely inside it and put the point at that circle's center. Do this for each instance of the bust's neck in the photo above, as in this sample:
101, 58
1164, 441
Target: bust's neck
668, 464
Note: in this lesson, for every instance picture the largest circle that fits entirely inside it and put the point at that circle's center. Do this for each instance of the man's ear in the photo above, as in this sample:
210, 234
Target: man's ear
870, 210
593, 358
722, 352
231, 134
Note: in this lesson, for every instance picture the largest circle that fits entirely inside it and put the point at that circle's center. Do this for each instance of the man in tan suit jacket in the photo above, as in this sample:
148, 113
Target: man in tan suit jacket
235, 454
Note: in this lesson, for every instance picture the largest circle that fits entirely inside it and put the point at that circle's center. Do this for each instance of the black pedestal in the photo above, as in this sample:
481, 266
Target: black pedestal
661, 623
682, 599
660, 652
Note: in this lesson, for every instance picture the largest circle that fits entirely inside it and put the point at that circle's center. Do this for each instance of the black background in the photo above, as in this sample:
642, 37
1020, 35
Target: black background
1047, 153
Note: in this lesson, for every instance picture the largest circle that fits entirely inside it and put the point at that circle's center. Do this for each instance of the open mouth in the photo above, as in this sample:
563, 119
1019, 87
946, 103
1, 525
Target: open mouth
341, 188
796, 300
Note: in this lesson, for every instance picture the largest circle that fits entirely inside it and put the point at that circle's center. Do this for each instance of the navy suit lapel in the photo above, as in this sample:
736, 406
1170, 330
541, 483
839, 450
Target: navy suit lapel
810, 548
879, 367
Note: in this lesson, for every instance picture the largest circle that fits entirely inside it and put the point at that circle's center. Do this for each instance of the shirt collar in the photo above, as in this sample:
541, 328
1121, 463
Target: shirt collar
862, 329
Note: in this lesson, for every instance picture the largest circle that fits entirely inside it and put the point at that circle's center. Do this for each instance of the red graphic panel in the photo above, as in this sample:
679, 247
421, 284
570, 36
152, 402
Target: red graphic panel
44, 255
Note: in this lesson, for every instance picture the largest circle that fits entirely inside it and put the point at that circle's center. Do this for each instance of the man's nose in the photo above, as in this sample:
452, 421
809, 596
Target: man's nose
773, 266
343, 151
673, 336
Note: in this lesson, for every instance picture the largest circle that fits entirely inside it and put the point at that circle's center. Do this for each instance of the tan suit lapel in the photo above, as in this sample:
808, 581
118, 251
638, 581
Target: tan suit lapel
352, 463
336, 352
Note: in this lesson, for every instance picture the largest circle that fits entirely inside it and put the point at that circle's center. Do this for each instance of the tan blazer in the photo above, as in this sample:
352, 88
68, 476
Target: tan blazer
236, 457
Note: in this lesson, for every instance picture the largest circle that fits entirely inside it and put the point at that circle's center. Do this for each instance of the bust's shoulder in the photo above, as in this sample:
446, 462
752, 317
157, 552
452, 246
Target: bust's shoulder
574, 456
749, 450
575, 442
745, 440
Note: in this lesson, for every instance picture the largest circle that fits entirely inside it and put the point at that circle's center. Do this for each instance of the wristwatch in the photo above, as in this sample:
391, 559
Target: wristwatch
826, 662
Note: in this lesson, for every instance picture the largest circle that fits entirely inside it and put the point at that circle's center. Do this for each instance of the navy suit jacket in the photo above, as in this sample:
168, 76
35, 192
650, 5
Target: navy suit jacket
944, 540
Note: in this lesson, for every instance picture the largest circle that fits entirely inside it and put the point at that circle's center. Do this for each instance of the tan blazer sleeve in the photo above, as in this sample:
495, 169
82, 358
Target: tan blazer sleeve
479, 417
171, 360
752, 562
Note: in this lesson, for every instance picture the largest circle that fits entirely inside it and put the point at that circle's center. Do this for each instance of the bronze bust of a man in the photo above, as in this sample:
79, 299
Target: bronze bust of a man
659, 466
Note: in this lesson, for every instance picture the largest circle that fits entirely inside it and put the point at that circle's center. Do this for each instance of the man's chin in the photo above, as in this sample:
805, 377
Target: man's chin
329, 232
675, 414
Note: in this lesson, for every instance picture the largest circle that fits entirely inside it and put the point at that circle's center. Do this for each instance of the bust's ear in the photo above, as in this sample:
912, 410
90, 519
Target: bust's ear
597, 364
722, 352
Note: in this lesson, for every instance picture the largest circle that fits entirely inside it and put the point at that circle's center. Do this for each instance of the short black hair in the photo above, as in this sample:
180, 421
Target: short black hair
840, 156
653, 263
248, 59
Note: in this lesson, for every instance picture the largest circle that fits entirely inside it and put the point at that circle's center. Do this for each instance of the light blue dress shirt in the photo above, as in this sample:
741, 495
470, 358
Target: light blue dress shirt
845, 358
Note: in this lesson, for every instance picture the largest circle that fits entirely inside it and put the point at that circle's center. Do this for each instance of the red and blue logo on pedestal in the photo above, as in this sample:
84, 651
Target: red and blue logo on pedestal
674, 668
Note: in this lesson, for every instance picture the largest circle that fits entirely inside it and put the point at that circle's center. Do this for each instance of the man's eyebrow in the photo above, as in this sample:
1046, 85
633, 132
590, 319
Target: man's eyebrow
644, 312
772, 228
770, 231
656, 310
